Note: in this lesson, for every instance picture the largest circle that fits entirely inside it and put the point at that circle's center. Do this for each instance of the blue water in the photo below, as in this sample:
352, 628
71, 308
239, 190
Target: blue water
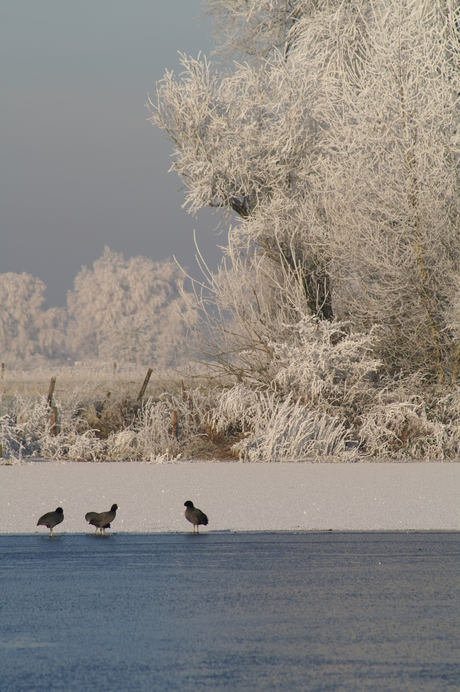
228, 611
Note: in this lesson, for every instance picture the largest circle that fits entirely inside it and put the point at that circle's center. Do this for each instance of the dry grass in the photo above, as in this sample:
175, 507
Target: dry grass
101, 418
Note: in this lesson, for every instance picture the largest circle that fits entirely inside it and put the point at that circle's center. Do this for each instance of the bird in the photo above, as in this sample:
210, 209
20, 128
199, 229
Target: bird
102, 520
51, 519
195, 516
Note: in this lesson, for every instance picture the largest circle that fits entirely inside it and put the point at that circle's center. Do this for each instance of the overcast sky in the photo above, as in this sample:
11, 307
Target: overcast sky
80, 165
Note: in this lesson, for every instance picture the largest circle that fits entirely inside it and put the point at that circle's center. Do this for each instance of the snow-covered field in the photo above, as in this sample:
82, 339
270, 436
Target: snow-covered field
235, 496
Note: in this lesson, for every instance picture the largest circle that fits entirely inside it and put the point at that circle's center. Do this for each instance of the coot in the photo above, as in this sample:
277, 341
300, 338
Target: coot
102, 520
51, 519
195, 516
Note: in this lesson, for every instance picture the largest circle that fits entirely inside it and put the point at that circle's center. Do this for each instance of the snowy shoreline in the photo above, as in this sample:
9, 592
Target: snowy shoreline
235, 496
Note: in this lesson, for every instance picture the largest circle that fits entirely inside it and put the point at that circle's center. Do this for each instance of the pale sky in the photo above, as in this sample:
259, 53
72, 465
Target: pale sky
80, 165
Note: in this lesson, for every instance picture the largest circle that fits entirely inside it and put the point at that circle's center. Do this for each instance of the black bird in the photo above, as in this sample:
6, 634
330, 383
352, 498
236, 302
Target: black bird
51, 519
195, 516
102, 521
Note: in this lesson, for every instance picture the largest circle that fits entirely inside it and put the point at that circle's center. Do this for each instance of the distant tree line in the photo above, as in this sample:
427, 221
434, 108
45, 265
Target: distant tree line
121, 310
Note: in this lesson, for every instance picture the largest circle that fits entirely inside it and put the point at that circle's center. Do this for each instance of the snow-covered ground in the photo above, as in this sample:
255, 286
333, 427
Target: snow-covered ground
235, 496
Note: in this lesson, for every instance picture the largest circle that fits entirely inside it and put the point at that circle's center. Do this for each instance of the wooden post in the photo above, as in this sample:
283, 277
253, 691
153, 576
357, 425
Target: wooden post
54, 421
144, 386
50, 392
174, 424
184, 393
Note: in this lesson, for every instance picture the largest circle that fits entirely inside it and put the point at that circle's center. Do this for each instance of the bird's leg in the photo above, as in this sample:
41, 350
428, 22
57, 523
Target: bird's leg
51, 532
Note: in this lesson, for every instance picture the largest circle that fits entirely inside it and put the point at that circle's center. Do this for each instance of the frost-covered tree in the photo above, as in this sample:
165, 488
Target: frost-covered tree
390, 187
255, 28
127, 310
336, 145
27, 329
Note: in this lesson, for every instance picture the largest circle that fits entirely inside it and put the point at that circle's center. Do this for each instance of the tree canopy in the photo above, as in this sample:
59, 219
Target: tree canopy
334, 139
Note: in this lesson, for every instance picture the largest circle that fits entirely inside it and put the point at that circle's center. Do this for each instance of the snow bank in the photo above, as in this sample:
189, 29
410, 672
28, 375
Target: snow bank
236, 496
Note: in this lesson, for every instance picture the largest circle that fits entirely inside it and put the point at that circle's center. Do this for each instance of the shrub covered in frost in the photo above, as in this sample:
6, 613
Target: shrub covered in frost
288, 431
326, 367
261, 425
405, 426
112, 429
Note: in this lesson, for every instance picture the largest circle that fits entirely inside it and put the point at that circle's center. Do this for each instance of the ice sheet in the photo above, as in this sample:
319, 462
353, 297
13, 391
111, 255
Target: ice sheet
235, 496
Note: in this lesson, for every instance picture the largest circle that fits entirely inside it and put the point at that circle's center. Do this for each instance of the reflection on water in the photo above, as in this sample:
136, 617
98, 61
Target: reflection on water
223, 611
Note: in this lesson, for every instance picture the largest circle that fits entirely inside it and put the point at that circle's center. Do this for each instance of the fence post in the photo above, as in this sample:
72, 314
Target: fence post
51, 391
144, 386
184, 393
54, 421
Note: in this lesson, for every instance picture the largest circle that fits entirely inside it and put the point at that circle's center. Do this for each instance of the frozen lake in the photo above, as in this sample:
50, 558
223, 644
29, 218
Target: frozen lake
230, 611
237, 497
